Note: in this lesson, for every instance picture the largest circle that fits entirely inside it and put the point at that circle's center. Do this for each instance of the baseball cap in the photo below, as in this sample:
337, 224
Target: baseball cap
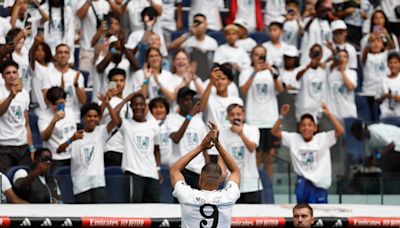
242, 23
290, 51
185, 91
338, 24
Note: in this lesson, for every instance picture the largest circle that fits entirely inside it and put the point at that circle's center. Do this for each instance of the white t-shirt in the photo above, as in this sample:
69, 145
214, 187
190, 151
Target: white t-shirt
194, 134
5, 186
166, 79
72, 102
197, 205
274, 9
23, 67
351, 50
246, 160
116, 142
208, 44
247, 44
275, 54
318, 32
133, 11
375, 68
312, 160
89, 23
209, 8
388, 7
289, 77
342, 102
12, 123
261, 98
235, 55
291, 32
313, 91
382, 135
87, 160
136, 36
63, 130
165, 144
140, 138
5, 26
38, 80
246, 10
216, 109
168, 14
390, 108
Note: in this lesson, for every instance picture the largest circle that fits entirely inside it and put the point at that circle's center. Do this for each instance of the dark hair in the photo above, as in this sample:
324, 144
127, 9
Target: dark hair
62, 45
357, 129
35, 47
303, 205
393, 55
232, 106
308, 116
226, 68
39, 152
116, 71
159, 100
254, 48
149, 11
62, 5
54, 94
386, 25
275, 23
90, 106
148, 52
179, 50
12, 34
6, 63
137, 95
200, 15
292, 2
211, 173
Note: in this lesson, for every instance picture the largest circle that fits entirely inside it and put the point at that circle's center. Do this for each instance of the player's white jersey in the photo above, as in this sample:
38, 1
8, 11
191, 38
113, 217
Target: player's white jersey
206, 208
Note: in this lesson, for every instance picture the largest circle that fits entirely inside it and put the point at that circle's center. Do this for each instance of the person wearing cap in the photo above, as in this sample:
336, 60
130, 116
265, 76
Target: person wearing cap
290, 67
245, 42
248, 11
310, 154
260, 84
229, 52
340, 32
196, 37
275, 45
186, 129
70, 80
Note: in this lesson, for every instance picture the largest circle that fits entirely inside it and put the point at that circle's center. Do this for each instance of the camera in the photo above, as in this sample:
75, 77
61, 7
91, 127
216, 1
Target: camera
45, 158
196, 23
263, 58
316, 54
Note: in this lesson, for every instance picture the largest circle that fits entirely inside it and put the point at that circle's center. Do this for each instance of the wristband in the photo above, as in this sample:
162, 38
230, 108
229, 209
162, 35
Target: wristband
158, 168
189, 117
253, 74
32, 149
281, 117
146, 81
69, 142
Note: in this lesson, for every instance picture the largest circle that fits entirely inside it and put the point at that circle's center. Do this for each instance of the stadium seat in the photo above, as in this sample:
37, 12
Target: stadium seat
267, 195
354, 149
37, 140
176, 34
219, 36
12, 170
166, 188
114, 184
63, 176
259, 37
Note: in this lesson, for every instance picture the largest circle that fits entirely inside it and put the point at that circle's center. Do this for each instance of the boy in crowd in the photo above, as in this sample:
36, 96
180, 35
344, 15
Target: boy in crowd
275, 46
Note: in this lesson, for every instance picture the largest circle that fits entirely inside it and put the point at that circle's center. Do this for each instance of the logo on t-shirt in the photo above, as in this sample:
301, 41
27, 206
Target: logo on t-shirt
143, 142
316, 89
339, 89
261, 92
87, 153
16, 113
192, 139
308, 159
164, 139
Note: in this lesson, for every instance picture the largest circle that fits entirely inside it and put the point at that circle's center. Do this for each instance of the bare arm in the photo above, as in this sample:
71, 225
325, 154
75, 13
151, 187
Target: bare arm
339, 130
177, 136
104, 63
178, 41
347, 82
116, 8
79, 91
204, 98
179, 16
230, 163
13, 198
82, 12
46, 133
276, 129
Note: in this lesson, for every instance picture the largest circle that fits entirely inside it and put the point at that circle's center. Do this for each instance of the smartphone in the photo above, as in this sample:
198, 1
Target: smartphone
79, 126
376, 29
18, 81
237, 122
60, 107
196, 100
263, 58
196, 23
112, 85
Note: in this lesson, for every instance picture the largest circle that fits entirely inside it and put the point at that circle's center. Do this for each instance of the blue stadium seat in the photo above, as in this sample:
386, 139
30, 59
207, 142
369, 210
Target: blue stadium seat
259, 37
114, 184
63, 176
166, 188
267, 195
219, 36
37, 140
176, 34
12, 170
354, 149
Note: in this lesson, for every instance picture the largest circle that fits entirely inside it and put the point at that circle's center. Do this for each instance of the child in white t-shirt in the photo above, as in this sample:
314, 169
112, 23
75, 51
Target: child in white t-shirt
310, 154
87, 153
290, 68
275, 46
390, 89
293, 26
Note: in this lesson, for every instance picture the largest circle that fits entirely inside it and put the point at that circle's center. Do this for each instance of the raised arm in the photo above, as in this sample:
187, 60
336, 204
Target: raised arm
80, 91
177, 135
276, 129
115, 118
6, 103
339, 130
82, 12
204, 98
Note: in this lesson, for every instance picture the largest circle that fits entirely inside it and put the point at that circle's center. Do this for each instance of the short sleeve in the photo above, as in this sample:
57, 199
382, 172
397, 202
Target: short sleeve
46, 83
21, 173
81, 81
133, 40
43, 122
254, 135
183, 192
232, 191
330, 138
103, 132
5, 183
123, 127
352, 75
286, 138
244, 76
171, 125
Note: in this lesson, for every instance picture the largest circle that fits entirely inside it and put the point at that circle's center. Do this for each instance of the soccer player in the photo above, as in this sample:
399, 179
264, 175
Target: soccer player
208, 206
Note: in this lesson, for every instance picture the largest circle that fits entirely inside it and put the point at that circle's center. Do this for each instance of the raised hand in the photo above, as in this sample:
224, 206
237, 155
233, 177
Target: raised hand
59, 115
285, 109
77, 135
325, 109
104, 98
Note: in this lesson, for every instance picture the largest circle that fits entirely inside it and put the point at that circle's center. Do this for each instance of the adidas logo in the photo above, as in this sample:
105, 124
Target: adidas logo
338, 223
67, 223
319, 223
26, 222
165, 223
46, 222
